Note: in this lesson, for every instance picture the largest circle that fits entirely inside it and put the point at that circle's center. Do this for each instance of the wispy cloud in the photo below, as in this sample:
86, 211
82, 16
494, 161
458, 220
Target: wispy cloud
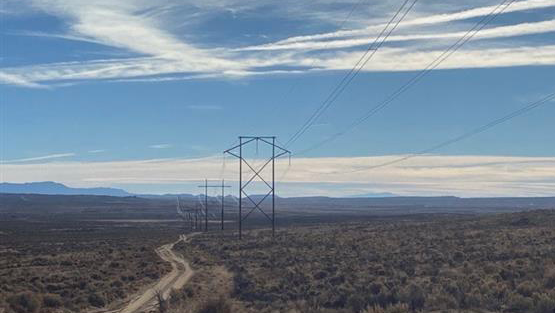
400, 59
14, 79
40, 158
147, 31
54, 35
439, 18
494, 32
97, 151
161, 146
425, 175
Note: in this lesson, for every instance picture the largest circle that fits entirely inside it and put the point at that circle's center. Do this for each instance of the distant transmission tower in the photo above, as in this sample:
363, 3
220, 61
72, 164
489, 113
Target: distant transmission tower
237, 151
206, 186
189, 214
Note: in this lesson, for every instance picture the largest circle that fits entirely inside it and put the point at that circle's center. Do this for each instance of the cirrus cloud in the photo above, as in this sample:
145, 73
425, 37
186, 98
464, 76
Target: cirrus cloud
467, 176
161, 146
162, 53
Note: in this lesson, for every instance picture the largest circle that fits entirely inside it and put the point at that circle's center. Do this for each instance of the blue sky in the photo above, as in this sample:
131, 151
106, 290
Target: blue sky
103, 82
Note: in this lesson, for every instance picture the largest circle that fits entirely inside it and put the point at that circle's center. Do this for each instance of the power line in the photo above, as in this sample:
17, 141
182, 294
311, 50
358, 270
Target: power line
463, 136
348, 17
350, 75
434, 64
362, 61
294, 86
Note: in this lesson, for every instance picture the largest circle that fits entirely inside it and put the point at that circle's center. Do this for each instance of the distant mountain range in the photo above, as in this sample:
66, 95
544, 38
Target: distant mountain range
374, 195
53, 188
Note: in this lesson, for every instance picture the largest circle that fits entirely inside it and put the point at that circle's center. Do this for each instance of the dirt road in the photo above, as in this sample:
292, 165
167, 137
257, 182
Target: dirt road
181, 272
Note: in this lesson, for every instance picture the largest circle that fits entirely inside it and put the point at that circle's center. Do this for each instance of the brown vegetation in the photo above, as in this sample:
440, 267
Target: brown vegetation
62, 265
500, 263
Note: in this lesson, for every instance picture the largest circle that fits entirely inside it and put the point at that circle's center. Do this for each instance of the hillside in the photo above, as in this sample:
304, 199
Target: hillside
53, 188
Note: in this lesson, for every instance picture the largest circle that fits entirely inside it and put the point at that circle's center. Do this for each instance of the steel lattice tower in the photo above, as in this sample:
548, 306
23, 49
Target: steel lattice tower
276, 152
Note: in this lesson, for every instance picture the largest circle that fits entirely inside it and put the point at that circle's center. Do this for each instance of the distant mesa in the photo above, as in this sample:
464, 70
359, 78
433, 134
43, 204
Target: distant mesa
53, 188
375, 195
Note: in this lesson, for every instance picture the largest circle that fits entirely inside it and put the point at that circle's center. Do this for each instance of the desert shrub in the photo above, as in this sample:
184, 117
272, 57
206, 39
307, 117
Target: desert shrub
96, 300
518, 303
451, 288
66, 263
473, 299
242, 285
550, 279
220, 305
39, 261
397, 308
162, 303
374, 309
376, 287
545, 304
356, 303
414, 296
443, 301
526, 288
458, 257
117, 293
25, 302
320, 275
51, 301
177, 297
471, 265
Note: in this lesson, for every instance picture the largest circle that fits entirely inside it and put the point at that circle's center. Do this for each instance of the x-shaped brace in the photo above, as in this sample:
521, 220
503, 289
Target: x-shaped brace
257, 205
257, 173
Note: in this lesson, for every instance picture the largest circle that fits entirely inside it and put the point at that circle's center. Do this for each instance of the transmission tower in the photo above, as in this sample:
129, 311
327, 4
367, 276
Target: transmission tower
206, 186
276, 152
188, 214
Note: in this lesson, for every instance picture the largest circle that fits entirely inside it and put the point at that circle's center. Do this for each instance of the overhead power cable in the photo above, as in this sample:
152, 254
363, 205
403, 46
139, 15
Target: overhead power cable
483, 22
353, 72
293, 86
547, 99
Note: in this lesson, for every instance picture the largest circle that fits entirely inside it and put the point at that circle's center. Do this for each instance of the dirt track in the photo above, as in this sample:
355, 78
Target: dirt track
181, 272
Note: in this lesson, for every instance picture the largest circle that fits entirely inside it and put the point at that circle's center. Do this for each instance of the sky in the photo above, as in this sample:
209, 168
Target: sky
145, 95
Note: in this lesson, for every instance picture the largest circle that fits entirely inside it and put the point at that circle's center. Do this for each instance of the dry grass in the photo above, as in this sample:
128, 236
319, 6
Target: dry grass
47, 267
503, 263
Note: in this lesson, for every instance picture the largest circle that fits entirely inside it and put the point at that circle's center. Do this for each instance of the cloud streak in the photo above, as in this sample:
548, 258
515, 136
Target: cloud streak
13, 79
525, 5
161, 146
40, 158
399, 59
425, 175
495, 32
388, 59
141, 28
